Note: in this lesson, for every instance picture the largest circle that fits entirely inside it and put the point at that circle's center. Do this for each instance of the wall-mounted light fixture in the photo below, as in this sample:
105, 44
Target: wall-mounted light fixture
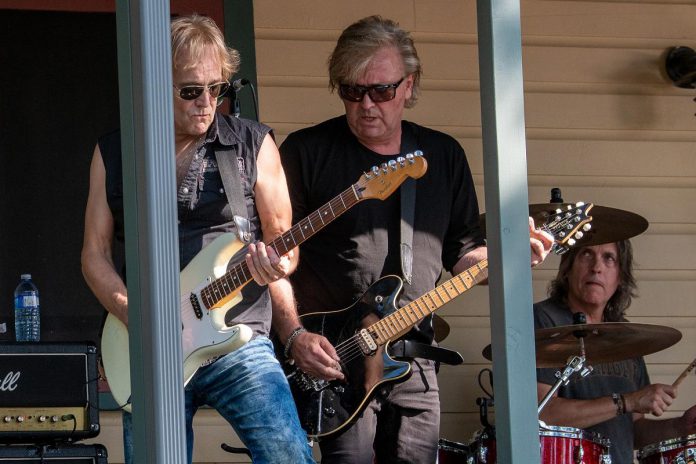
681, 67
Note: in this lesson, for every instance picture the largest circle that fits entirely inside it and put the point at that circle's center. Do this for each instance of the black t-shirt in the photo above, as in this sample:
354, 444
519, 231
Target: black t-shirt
340, 262
617, 377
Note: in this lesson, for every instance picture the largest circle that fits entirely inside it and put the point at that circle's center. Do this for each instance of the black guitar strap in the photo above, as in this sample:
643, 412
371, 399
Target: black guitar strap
408, 207
231, 180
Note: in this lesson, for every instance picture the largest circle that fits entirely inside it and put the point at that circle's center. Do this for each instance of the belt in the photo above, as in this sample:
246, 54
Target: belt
411, 349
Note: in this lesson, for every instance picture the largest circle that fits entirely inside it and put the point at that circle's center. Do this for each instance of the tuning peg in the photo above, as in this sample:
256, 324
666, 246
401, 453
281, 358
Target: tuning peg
392, 165
587, 227
375, 170
571, 241
579, 235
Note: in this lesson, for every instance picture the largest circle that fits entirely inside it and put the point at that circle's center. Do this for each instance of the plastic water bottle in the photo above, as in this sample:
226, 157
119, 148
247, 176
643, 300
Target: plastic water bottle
27, 313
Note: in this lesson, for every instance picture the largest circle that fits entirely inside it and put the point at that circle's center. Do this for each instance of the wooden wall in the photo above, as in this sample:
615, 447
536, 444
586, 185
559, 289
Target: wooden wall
603, 123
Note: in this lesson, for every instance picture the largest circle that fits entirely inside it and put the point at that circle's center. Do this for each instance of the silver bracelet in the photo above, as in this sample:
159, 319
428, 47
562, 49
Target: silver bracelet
291, 340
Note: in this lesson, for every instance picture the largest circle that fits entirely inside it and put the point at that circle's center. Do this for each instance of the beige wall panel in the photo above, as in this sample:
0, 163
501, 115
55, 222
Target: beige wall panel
298, 104
459, 392
673, 252
301, 58
673, 297
630, 68
597, 111
620, 19
317, 14
600, 158
448, 62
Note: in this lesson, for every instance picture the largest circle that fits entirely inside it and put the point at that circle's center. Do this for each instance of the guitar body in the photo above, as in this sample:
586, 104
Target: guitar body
326, 408
202, 337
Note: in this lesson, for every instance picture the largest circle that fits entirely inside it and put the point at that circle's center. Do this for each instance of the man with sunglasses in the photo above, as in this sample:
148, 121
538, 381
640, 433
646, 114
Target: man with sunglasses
377, 72
247, 386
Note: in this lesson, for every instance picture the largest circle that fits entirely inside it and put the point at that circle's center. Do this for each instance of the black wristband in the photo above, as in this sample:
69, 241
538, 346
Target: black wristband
619, 402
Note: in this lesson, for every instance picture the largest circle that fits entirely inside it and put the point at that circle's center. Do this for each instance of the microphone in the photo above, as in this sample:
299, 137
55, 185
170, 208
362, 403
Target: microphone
237, 84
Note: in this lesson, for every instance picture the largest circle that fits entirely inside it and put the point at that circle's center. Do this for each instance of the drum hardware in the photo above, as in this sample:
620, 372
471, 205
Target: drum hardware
485, 402
575, 364
675, 451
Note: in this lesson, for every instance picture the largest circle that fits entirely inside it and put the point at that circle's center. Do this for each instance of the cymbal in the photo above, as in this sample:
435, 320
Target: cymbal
441, 328
604, 342
608, 224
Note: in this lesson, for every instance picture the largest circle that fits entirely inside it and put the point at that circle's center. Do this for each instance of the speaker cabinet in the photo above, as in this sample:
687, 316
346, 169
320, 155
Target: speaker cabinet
60, 454
48, 391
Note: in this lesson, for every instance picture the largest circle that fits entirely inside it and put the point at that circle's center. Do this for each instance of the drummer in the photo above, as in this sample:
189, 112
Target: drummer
613, 399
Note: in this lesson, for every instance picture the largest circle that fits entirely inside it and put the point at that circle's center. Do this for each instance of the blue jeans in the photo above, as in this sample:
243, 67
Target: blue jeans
249, 389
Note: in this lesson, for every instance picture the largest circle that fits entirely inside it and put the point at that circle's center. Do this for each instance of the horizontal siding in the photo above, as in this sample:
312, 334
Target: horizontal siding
603, 123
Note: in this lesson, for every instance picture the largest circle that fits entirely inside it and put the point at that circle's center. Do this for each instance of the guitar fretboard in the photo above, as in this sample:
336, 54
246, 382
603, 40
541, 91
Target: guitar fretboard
400, 321
240, 275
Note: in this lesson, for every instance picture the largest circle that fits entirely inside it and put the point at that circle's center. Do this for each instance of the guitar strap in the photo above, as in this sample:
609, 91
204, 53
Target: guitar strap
408, 206
231, 180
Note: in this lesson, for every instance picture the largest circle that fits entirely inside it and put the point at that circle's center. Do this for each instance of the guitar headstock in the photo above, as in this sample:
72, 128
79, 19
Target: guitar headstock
382, 181
568, 226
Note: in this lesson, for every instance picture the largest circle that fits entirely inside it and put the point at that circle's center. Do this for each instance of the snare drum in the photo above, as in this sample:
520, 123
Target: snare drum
559, 445
675, 451
451, 452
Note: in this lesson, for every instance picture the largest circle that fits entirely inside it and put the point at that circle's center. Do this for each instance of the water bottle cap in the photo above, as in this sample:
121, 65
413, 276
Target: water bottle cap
26, 276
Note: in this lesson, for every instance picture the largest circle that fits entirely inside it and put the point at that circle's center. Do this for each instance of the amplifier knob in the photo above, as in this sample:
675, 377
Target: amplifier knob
54, 418
20, 418
42, 418
7, 419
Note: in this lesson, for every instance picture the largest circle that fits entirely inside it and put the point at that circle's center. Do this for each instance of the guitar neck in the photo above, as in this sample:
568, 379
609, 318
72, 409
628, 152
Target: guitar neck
401, 321
239, 275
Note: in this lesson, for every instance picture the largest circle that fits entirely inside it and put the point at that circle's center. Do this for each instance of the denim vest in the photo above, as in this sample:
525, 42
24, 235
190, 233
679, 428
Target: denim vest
202, 206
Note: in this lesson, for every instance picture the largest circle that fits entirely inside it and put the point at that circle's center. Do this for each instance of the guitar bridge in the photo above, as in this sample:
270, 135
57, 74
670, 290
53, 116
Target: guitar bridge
366, 342
306, 382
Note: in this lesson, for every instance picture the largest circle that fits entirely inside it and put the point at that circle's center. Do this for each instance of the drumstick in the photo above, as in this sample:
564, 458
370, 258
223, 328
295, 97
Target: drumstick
683, 375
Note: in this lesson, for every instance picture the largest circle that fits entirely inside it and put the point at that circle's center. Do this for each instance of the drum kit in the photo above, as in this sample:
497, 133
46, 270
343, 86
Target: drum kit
569, 348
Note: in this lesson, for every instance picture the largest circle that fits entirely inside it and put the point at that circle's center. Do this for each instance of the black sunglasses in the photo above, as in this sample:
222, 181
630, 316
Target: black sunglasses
378, 93
191, 92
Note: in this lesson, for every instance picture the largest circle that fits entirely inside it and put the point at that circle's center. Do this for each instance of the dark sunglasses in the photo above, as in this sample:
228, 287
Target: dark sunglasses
378, 93
191, 92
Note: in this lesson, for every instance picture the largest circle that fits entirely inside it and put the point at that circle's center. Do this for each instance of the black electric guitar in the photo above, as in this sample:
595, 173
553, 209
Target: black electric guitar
361, 332
210, 287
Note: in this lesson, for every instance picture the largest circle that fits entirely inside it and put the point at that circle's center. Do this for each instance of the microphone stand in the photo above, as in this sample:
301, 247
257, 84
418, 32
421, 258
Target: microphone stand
236, 110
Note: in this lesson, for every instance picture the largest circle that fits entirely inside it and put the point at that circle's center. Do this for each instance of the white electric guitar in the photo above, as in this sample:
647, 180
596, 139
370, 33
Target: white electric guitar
209, 289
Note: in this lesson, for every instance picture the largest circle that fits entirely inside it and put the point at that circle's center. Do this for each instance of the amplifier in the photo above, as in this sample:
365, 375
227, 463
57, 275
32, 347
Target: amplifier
48, 392
60, 454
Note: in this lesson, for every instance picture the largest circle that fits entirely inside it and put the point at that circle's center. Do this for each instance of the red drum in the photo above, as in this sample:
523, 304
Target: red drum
675, 451
559, 445
450, 452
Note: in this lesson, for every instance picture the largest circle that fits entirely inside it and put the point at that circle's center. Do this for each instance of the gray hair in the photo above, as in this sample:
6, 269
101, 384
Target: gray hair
358, 44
